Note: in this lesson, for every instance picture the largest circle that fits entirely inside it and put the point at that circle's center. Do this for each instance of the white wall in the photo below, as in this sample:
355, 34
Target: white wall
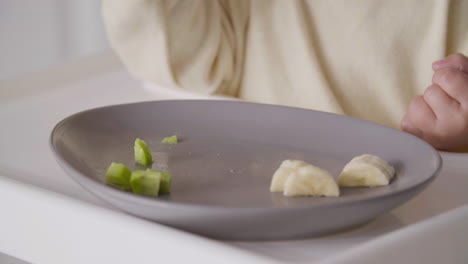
40, 33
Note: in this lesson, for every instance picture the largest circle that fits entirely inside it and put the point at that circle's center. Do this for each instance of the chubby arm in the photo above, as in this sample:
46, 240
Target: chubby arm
440, 115
194, 45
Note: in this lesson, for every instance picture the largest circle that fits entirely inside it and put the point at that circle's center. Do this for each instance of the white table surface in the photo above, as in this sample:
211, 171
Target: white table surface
48, 218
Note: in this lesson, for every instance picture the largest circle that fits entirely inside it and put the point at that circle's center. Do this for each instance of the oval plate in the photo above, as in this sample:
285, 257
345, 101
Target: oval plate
227, 154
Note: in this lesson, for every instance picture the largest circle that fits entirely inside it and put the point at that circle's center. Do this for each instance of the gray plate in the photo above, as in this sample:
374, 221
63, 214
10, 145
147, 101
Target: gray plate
224, 163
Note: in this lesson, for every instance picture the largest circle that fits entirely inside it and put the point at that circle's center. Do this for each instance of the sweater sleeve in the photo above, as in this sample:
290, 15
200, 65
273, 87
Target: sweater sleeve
194, 45
457, 31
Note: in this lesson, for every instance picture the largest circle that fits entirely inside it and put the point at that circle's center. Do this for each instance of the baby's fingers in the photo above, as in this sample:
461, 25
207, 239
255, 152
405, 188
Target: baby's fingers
457, 61
454, 83
418, 118
440, 102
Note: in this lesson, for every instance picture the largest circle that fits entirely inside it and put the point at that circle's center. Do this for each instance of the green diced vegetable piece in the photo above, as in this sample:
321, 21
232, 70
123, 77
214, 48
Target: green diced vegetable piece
170, 140
142, 153
166, 180
118, 176
145, 182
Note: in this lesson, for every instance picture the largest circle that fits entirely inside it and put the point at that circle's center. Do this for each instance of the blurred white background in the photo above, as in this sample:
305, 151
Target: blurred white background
39, 34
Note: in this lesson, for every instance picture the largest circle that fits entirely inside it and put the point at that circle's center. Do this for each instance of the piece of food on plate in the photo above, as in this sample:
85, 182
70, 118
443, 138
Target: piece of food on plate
142, 153
170, 140
118, 176
286, 168
299, 178
366, 171
146, 182
165, 183
310, 180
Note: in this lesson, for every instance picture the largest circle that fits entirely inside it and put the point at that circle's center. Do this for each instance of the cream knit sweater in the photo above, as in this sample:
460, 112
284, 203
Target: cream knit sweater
364, 58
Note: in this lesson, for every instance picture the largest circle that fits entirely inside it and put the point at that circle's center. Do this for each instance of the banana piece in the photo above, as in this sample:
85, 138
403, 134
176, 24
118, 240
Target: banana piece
366, 171
299, 178
286, 168
310, 180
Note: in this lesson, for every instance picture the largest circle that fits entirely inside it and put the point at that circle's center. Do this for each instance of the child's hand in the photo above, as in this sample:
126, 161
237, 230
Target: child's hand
440, 116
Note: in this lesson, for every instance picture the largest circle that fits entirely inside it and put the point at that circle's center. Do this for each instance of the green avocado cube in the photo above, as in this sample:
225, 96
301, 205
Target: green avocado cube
170, 140
145, 182
118, 176
142, 153
166, 180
